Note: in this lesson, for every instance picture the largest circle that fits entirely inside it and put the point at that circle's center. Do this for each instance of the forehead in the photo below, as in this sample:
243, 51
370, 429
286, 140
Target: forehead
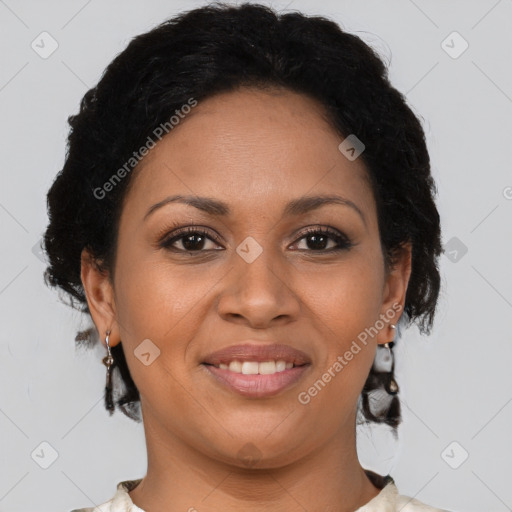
251, 147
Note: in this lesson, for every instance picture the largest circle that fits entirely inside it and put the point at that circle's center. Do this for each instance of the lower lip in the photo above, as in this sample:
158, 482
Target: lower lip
258, 386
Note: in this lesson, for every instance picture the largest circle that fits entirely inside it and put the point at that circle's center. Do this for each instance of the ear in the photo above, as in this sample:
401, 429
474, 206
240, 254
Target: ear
100, 297
395, 289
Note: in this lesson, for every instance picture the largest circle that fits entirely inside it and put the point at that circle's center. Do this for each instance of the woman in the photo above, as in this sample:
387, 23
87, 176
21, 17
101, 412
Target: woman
246, 212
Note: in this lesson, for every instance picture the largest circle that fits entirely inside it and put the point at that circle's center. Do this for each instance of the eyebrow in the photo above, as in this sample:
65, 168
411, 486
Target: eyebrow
218, 208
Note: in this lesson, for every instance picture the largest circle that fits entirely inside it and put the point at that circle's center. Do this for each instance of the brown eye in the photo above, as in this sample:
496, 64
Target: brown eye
318, 239
191, 240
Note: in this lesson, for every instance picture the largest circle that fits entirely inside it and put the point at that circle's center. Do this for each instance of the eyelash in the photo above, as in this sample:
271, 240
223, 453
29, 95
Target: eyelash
343, 241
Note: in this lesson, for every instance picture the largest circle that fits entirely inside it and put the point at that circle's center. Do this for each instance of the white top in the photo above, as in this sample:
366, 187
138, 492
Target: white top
388, 499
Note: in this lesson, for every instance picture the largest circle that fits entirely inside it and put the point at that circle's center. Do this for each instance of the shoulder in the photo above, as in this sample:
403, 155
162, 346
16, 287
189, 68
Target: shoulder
389, 500
408, 504
105, 507
121, 501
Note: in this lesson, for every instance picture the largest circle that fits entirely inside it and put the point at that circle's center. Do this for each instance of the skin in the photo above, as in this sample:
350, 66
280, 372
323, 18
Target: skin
255, 150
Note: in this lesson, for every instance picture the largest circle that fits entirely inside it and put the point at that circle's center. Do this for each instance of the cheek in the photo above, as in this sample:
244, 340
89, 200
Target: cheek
345, 298
165, 302
344, 304
156, 301
153, 296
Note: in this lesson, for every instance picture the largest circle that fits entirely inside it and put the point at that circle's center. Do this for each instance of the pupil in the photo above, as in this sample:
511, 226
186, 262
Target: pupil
316, 239
189, 246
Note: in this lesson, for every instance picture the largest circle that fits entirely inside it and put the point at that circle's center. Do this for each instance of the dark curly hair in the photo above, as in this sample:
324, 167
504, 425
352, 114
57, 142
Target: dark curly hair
218, 48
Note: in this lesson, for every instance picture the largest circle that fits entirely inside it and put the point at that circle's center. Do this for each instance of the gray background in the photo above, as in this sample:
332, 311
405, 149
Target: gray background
455, 384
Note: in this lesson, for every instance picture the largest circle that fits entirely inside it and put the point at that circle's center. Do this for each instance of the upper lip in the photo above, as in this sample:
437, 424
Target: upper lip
259, 352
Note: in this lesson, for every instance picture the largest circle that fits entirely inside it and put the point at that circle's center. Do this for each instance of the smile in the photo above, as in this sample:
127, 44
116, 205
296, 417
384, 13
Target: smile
255, 367
257, 380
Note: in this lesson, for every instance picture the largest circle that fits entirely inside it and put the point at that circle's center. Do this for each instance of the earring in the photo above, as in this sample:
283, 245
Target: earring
391, 385
109, 362
378, 398
384, 363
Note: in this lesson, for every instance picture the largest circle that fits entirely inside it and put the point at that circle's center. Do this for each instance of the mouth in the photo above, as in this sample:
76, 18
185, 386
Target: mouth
257, 385
257, 371
250, 352
256, 368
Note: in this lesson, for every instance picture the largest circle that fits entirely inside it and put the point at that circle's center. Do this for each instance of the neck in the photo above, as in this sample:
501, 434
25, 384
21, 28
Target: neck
179, 477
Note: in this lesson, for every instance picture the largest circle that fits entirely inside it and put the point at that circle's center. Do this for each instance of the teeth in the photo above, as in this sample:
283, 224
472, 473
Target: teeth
255, 368
235, 366
281, 365
250, 368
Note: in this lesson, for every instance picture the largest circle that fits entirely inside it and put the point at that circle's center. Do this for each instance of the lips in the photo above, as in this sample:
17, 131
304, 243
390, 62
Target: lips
258, 386
251, 351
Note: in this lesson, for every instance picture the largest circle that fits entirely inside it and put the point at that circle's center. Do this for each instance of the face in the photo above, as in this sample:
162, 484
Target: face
253, 270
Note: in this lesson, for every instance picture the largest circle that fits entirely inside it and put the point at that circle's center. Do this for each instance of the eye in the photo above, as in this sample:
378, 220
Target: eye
319, 238
195, 239
191, 239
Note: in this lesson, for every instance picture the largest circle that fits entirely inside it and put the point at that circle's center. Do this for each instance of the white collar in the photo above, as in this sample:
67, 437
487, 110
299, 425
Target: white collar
388, 499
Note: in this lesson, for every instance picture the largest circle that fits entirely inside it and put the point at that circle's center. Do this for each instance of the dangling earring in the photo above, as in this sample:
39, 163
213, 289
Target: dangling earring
379, 400
109, 362
390, 385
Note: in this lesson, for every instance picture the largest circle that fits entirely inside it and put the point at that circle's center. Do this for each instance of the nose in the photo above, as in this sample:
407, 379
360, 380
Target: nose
259, 294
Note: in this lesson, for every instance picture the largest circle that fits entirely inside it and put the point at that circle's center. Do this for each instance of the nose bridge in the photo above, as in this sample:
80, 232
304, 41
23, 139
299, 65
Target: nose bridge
257, 288
256, 267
